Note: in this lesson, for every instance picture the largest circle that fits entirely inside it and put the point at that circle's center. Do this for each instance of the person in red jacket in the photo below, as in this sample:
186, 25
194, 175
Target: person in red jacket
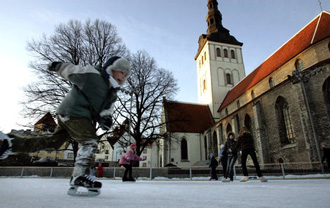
126, 161
100, 171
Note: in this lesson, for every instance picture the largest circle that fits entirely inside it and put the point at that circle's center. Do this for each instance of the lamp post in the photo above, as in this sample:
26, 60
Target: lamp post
302, 79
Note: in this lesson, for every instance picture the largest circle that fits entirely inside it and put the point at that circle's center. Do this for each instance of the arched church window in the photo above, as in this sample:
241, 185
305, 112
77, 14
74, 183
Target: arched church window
326, 94
253, 94
225, 53
218, 52
271, 82
228, 78
286, 132
184, 149
299, 64
228, 129
211, 21
205, 148
233, 54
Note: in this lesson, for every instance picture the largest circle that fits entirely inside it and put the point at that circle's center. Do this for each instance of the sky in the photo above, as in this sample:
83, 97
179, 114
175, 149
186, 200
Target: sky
51, 193
168, 30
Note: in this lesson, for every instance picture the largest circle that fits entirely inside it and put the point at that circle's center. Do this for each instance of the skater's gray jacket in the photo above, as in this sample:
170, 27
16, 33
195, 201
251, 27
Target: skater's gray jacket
91, 94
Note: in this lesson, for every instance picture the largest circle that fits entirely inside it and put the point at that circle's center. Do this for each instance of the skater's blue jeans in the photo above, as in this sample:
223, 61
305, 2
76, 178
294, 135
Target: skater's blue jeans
230, 168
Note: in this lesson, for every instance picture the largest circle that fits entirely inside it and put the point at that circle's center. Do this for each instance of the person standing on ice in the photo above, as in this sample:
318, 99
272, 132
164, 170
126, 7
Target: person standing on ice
213, 165
232, 157
100, 170
126, 161
245, 143
90, 101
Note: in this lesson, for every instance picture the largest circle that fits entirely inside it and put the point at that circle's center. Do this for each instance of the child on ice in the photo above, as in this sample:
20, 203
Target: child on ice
90, 100
213, 165
126, 161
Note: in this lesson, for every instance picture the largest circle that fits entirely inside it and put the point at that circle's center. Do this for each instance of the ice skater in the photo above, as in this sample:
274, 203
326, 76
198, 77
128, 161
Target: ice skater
245, 143
232, 157
213, 165
90, 101
126, 161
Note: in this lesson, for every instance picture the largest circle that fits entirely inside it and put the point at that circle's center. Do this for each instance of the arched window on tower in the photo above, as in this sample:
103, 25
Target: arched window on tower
184, 149
204, 85
225, 53
233, 56
218, 52
228, 79
211, 21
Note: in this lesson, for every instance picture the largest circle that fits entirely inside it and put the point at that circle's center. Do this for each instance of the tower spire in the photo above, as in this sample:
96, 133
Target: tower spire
213, 18
215, 30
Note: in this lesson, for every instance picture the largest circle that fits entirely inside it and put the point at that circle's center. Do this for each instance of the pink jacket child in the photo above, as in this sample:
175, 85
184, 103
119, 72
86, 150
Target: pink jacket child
129, 156
125, 161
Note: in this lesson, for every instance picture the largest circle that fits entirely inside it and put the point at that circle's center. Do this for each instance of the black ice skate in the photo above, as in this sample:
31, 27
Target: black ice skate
93, 187
131, 179
5, 146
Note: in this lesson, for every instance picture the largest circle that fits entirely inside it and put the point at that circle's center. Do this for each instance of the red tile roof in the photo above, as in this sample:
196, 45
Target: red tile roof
185, 117
317, 30
47, 119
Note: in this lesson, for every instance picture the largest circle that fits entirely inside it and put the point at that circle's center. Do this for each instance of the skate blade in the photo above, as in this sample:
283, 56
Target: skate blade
73, 191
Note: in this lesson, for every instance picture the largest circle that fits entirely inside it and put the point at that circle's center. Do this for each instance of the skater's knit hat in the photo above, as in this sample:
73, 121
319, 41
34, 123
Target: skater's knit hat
212, 154
117, 63
132, 146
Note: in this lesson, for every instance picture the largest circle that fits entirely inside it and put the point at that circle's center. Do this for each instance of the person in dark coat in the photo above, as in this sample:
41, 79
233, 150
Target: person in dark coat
245, 143
223, 158
232, 157
213, 165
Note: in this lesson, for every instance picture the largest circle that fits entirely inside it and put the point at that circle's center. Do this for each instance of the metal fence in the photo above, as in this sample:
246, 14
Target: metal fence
278, 170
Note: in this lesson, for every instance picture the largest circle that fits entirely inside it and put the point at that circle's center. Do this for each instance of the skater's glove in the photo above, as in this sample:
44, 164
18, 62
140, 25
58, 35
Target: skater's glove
105, 122
54, 66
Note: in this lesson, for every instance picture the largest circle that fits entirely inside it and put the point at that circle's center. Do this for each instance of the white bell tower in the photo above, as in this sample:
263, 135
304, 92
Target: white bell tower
219, 61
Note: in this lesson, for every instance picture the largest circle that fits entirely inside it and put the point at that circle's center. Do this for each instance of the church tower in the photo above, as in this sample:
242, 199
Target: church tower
219, 61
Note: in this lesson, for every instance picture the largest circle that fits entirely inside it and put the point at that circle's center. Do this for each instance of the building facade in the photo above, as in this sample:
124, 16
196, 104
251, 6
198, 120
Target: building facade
284, 102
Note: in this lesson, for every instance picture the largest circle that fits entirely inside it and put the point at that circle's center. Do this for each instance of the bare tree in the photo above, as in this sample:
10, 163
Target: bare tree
75, 42
141, 104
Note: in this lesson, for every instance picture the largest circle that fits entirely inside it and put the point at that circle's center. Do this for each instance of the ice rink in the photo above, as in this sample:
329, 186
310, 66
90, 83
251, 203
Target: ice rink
50, 192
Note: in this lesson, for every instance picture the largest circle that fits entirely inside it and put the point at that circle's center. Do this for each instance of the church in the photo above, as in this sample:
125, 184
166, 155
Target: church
285, 102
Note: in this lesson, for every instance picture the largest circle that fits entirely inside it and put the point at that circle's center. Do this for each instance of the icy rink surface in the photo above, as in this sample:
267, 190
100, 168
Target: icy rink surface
49, 192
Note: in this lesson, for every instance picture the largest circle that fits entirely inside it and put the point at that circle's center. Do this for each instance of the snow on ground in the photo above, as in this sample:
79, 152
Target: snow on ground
51, 192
